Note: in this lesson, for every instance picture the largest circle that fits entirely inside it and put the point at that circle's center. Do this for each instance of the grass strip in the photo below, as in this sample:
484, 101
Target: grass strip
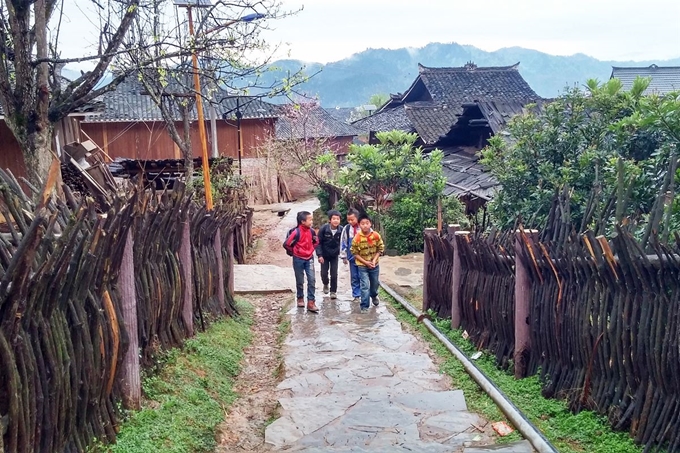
187, 397
570, 433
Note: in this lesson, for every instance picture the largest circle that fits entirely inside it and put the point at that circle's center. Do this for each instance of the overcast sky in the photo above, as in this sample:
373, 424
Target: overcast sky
330, 30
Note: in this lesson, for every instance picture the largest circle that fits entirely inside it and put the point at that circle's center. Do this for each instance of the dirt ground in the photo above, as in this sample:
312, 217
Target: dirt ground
267, 247
246, 420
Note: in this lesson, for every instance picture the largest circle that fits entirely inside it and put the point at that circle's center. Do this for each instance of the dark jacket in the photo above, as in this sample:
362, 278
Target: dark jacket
329, 243
304, 247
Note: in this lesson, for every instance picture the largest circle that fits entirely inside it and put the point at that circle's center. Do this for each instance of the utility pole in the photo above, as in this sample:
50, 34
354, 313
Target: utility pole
201, 120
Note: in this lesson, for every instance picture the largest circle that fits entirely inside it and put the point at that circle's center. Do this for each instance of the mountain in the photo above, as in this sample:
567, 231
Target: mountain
352, 81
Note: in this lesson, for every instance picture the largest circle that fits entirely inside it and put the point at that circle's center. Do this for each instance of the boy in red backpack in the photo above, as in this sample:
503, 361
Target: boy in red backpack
300, 244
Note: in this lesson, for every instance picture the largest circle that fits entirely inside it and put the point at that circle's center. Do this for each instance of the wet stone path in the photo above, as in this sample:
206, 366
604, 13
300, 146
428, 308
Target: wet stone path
362, 383
359, 382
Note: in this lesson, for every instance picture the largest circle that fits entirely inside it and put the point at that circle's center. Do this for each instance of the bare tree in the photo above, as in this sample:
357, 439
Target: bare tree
230, 50
33, 94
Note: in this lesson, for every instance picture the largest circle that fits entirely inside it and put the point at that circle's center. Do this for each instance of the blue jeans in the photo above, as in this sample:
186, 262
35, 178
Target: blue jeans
370, 281
302, 267
354, 276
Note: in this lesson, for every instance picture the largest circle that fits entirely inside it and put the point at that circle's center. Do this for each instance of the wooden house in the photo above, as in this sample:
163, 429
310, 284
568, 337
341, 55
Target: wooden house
456, 110
131, 126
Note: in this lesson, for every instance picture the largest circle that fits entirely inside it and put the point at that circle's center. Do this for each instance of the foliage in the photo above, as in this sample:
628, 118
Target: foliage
131, 37
227, 187
405, 188
379, 99
607, 150
185, 401
305, 152
569, 433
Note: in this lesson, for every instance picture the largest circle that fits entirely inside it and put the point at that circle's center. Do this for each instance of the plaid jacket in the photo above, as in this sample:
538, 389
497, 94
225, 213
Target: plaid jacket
367, 245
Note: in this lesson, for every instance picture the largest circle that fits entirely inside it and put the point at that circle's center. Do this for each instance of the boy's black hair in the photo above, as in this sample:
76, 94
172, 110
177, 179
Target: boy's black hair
365, 216
333, 212
354, 212
302, 216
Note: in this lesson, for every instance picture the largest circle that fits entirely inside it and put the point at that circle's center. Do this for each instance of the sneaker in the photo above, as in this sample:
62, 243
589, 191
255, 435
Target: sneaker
311, 306
325, 289
364, 311
356, 300
301, 303
334, 296
375, 300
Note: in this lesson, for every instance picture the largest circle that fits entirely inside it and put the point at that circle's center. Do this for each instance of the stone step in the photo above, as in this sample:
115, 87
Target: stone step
516, 447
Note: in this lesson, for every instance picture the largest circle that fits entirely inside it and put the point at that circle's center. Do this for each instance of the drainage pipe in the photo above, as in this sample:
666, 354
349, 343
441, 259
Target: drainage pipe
524, 426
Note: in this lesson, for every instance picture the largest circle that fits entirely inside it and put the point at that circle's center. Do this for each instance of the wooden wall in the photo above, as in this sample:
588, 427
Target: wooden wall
150, 140
10, 153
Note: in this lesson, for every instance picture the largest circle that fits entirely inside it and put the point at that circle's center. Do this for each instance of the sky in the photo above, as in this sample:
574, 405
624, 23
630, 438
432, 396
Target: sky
330, 30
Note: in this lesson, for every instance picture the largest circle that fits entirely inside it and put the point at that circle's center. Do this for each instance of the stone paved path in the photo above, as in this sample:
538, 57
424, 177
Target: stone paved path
360, 383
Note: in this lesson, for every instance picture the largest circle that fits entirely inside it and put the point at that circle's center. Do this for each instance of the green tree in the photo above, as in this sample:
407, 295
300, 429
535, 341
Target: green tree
608, 151
403, 188
379, 99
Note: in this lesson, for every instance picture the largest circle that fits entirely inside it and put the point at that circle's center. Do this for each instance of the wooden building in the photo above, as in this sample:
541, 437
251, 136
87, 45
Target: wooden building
456, 110
312, 122
131, 126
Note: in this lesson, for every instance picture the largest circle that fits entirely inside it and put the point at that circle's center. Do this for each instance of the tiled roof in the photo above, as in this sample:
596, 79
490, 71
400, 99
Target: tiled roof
431, 120
469, 83
129, 103
386, 120
664, 79
313, 122
465, 176
432, 111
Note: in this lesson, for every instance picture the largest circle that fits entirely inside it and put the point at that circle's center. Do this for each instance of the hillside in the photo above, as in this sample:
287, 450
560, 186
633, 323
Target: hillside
350, 82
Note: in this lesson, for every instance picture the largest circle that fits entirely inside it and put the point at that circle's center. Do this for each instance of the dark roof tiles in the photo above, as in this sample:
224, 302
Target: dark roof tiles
129, 103
312, 122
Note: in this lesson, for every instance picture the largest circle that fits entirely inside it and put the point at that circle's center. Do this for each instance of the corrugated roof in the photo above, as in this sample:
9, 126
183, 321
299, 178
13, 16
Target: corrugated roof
128, 102
664, 79
312, 122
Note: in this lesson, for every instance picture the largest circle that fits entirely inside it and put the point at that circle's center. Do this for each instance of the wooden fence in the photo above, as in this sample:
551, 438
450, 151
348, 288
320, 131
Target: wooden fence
599, 319
86, 300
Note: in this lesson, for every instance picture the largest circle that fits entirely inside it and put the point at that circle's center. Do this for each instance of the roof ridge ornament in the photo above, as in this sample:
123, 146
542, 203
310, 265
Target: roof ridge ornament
470, 66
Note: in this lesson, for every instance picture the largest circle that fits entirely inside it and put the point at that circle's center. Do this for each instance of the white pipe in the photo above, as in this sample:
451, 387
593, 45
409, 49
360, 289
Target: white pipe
519, 421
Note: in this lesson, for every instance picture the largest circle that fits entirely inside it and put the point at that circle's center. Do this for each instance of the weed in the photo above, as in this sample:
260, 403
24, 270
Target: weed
186, 399
568, 432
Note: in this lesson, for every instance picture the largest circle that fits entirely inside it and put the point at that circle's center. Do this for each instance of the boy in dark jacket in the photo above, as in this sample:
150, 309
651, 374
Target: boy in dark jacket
328, 251
301, 242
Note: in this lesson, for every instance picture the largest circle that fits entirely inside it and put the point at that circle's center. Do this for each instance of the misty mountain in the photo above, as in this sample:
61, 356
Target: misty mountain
352, 81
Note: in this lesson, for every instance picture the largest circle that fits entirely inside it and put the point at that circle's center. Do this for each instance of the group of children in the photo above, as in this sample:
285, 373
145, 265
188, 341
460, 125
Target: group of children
356, 244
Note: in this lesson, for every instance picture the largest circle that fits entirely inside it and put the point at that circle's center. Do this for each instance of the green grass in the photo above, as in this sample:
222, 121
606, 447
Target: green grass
187, 398
568, 432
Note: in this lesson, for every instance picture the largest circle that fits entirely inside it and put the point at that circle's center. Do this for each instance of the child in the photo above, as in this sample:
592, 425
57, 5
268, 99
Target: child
348, 234
300, 243
328, 250
367, 246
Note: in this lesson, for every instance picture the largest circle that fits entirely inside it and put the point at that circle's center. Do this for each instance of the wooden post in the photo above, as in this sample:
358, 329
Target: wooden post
187, 267
230, 259
220, 271
132, 385
522, 305
455, 278
427, 257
